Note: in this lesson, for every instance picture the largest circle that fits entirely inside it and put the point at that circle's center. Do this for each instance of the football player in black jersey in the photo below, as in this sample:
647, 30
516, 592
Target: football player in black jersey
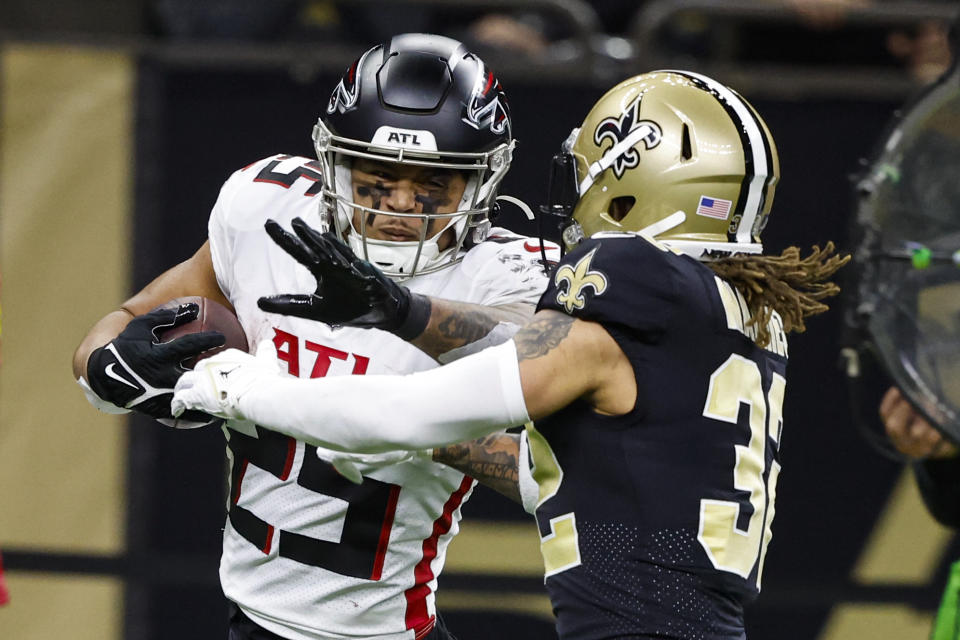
654, 370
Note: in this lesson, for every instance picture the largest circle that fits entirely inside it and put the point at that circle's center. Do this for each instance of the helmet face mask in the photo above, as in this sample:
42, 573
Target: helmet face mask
383, 227
676, 156
424, 102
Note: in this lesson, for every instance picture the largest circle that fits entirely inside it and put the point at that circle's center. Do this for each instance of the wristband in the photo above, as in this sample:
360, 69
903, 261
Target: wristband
99, 403
417, 318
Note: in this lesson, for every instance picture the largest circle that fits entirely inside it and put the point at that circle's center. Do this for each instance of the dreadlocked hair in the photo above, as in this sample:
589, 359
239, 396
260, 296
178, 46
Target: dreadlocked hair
788, 284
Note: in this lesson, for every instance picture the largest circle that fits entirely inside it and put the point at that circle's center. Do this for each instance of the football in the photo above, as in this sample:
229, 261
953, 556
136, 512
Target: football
213, 316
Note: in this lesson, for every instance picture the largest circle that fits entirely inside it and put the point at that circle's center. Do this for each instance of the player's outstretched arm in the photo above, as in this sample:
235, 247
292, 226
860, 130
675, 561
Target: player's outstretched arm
562, 359
553, 361
464, 327
352, 292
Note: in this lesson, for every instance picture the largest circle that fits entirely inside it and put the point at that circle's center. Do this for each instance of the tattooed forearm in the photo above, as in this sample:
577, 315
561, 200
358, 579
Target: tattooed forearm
466, 327
491, 460
456, 324
542, 334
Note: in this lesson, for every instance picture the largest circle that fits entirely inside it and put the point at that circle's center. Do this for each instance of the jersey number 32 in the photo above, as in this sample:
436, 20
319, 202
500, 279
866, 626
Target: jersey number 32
729, 547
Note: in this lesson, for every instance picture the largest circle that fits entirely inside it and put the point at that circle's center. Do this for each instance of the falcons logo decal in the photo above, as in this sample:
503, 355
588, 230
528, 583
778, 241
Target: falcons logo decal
625, 133
344, 95
488, 105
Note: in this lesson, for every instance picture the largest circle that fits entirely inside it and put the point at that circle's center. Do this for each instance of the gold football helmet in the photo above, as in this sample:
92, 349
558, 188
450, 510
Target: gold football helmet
673, 155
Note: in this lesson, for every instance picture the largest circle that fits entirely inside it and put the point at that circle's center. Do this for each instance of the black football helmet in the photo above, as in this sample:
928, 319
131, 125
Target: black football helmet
423, 100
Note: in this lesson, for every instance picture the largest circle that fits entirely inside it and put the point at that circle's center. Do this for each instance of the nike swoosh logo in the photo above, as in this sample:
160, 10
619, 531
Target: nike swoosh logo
116, 376
224, 374
534, 247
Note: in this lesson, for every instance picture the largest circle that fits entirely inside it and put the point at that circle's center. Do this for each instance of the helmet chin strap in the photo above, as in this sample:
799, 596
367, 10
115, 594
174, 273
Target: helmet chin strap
399, 258
694, 248
675, 219
392, 256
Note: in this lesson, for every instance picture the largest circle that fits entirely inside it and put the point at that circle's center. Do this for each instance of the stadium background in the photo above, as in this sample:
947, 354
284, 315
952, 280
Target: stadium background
112, 152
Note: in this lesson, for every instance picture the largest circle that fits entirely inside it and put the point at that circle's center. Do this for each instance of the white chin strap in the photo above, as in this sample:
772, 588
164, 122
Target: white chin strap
673, 220
398, 258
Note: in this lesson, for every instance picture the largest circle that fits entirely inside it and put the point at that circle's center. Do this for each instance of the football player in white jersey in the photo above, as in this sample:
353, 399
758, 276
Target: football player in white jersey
411, 149
655, 369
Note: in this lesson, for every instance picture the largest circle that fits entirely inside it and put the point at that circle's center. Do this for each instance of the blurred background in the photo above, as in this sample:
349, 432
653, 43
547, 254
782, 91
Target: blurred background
119, 120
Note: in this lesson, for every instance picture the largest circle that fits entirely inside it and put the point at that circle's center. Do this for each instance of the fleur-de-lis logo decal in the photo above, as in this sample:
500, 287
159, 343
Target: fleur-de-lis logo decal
578, 278
627, 127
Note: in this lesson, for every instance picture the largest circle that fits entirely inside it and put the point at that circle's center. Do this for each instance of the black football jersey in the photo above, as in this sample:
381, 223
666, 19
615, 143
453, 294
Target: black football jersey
655, 524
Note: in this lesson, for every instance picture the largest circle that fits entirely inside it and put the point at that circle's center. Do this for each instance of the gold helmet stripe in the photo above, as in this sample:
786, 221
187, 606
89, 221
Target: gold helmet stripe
755, 153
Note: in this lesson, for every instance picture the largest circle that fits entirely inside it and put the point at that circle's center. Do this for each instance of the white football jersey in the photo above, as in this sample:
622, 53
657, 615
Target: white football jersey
307, 554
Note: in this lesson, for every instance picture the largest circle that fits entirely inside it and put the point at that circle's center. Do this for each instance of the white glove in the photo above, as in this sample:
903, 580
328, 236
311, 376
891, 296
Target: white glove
218, 383
353, 466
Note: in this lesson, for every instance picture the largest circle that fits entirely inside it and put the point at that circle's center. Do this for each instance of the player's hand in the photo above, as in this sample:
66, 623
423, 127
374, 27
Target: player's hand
217, 384
350, 291
353, 466
909, 432
135, 371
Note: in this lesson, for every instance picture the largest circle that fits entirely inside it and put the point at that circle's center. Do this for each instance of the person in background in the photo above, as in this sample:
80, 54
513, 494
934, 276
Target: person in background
909, 200
923, 49
935, 461
934, 458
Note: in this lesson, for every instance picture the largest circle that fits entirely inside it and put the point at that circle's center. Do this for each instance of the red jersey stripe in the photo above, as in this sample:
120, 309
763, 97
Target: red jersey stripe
288, 464
385, 532
417, 616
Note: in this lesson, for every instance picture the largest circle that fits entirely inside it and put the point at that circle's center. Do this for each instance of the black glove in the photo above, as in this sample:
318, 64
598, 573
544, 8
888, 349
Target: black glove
136, 371
350, 291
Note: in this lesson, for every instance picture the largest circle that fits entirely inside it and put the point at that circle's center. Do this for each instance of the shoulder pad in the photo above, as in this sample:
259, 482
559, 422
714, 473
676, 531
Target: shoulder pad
267, 185
622, 279
512, 250
507, 241
508, 268
284, 171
